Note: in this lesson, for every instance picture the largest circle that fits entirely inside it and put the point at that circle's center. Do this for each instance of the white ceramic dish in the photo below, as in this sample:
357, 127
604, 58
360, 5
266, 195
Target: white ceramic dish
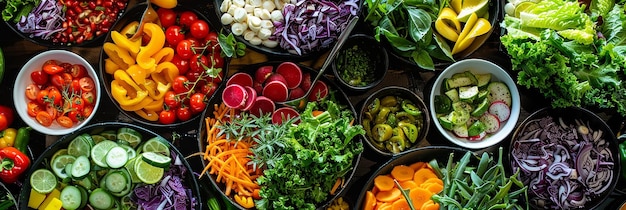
23, 80
498, 74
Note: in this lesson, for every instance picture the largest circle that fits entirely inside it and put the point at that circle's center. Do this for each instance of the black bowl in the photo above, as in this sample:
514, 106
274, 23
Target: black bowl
408, 95
277, 51
134, 14
374, 51
423, 154
97, 39
340, 96
43, 160
567, 116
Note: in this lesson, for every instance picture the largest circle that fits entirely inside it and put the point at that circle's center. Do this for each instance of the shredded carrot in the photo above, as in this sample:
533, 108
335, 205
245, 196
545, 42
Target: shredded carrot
335, 186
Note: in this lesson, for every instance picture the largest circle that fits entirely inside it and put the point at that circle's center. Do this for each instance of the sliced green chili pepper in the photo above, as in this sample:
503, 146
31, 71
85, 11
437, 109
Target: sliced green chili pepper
411, 131
382, 132
367, 126
391, 120
381, 117
410, 108
389, 101
399, 142
374, 107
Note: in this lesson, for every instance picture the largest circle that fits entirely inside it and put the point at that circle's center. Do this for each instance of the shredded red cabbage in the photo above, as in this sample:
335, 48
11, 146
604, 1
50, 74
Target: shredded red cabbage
44, 21
564, 165
170, 193
311, 25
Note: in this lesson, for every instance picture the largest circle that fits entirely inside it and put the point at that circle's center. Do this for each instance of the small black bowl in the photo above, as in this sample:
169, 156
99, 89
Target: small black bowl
407, 95
565, 117
44, 159
373, 51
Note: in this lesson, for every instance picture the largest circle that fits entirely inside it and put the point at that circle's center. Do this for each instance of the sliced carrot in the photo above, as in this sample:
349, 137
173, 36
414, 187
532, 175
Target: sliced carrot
370, 201
435, 188
402, 173
335, 186
417, 165
408, 184
430, 205
434, 180
315, 113
389, 196
383, 206
422, 175
384, 182
375, 189
419, 196
400, 204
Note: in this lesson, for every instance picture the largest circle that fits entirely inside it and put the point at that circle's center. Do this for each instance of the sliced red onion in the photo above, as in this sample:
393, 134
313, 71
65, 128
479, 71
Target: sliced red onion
43, 21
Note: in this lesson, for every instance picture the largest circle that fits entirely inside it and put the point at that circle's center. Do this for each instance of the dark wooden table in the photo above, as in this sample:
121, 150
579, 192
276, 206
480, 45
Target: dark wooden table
17, 51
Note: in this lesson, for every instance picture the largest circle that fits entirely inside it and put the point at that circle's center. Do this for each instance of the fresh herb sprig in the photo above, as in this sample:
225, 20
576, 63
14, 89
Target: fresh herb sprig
230, 46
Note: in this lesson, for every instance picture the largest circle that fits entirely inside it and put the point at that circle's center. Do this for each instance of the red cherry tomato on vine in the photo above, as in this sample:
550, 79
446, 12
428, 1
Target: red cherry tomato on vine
199, 29
184, 49
167, 117
183, 113
171, 100
6, 117
187, 17
209, 88
180, 84
196, 102
198, 63
218, 61
181, 64
174, 34
39, 77
167, 17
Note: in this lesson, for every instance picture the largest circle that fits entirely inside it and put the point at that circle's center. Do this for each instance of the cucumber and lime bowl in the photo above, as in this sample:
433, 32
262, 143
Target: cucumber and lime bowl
474, 103
108, 166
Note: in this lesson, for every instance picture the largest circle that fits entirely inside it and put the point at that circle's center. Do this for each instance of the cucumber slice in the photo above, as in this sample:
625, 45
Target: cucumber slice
101, 199
483, 79
468, 93
481, 108
116, 182
71, 197
156, 159
131, 152
100, 150
129, 185
460, 131
59, 163
116, 157
498, 91
476, 128
81, 167
453, 94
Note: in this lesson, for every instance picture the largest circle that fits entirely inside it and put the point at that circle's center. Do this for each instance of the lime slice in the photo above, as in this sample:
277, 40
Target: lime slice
130, 166
523, 6
79, 147
99, 152
43, 181
480, 7
156, 159
109, 134
147, 173
129, 135
59, 163
98, 138
156, 145
59, 152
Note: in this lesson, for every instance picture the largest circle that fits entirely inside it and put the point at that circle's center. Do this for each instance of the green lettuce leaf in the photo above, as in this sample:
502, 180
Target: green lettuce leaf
614, 26
555, 14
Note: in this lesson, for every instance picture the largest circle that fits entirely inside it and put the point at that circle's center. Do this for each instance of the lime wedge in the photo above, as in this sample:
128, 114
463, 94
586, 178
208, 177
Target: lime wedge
43, 181
130, 166
523, 6
98, 138
79, 147
109, 134
480, 7
156, 159
156, 145
147, 173
100, 150
59, 152
130, 136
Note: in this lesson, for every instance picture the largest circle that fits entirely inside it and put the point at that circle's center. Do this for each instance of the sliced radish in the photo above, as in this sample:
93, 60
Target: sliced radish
501, 110
306, 81
251, 98
240, 78
319, 91
460, 131
258, 87
234, 96
262, 105
478, 137
262, 73
276, 77
283, 114
491, 122
291, 72
276, 91
296, 93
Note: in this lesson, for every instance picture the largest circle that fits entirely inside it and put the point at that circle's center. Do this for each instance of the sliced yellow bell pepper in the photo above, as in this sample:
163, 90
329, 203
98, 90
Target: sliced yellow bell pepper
118, 55
166, 54
119, 93
168, 70
156, 105
147, 114
157, 41
161, 90
138, 74
110, 66
150, 86
122, 75
123, 42
130, 29
169, 4
244, 201
138, 106
158, 77
131, 92
447, 25
482, 26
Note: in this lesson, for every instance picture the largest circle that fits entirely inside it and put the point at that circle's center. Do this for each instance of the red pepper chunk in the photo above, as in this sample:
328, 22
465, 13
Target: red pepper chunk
14, 163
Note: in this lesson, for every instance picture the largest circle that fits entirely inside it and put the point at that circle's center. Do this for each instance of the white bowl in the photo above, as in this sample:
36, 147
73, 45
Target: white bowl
23, 80
498, 74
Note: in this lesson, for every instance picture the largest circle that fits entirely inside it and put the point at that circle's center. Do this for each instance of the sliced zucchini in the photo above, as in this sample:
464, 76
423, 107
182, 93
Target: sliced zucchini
453, 94
483, 79
468, 93
498, 91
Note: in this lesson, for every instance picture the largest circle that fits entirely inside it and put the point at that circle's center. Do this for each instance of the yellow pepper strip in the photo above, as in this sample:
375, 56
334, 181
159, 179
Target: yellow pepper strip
161, 89
123, 42
244, 201
110, 66
463, 43
119, 93
138, 74
131, 92
447, 25
140, 105
168, 70
122, 75
130, 29
157, 40
118, 55
158, 77
169, 4
150, 86
165, 54
147, 114
156, 105
482, 26
7, 137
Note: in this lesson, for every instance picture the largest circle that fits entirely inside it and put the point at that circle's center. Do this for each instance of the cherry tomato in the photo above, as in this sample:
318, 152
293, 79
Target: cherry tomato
55, 96
218, 61
52, 111
65, 121
187, 18
66, 66
6, 116
199, 29
181, 64
4, 123
171, 99
42, 97
198, 63
198, 46
78, 71
75, 116
39, 77
57, 81
78, 104
197, 103
52, 69
86, 84
32, 91
50, 62
181, 84
183, 113
209, 88
211, 40
193, 75
87, 111
184, 49
32, 108
167, 117
174, 34
44, 118
88, 97
75, 86
167, 17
